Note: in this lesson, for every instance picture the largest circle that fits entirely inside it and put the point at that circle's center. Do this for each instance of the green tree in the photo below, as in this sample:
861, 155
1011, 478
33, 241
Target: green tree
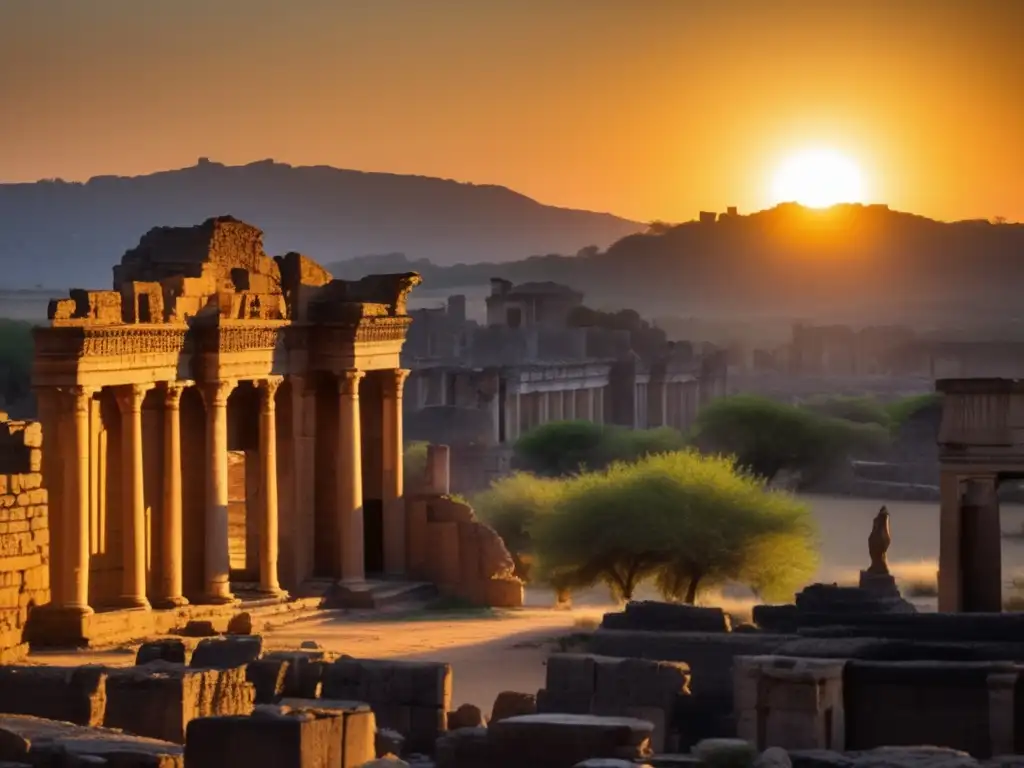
511, 506
860, 410
766, 437
414, 465
565, 447
16, 349
686, 520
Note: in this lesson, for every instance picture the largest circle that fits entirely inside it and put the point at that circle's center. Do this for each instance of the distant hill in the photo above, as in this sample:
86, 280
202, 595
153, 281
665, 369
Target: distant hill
61, 234
859, 264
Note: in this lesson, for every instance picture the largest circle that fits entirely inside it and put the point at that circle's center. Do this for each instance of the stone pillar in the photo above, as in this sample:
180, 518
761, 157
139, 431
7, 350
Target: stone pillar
70, 588
268, 540
970, 545
133, 505
437, 470
350, 478
569, 404
393, 498
171, 551
588, 405
217, 556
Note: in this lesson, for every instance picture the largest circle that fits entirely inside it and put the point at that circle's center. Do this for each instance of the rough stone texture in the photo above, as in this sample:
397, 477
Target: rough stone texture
358, 743
45, 743
24, 533
200, 628
170, 649
268, 678
601, 685
512, 704
465, 748
305, 671
160, 699
562, 741
725, 753
240, 624
72, 694
466, 716
305, 739
412, 698
388, 742
228, 652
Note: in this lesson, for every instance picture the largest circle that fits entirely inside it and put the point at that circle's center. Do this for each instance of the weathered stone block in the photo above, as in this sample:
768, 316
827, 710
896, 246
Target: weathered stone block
72, 694
41, 742
268, 678
466, 716
292, 740
561, 741
227, 652
465, 748
160, 699
512, 704
358, 730
171, 650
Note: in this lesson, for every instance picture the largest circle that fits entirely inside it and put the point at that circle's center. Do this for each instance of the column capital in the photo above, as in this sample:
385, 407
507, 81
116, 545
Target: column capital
394, 381
129, 396
216, 393
348, 382
173, 391
79, 397
268, 388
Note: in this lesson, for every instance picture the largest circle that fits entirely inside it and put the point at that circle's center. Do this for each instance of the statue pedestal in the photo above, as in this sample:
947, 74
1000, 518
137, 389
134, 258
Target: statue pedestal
879, 585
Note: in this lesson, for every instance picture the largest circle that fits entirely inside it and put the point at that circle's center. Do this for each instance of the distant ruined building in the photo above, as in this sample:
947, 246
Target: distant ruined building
541, 357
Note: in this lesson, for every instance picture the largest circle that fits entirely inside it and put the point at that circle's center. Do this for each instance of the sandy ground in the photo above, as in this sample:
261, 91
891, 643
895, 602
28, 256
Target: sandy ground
507, 650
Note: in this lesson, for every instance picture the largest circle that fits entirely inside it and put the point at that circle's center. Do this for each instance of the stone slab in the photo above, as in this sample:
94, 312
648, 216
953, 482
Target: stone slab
562, 741
285, 740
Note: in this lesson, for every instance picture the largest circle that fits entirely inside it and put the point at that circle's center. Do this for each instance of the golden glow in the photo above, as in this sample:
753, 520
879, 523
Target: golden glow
818, 178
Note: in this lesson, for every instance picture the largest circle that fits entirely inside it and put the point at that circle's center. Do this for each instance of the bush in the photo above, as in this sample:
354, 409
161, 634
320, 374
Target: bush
562, 448
899, 411
859, 410
688, 521
16, 349
414, 466
511, 506
767, 437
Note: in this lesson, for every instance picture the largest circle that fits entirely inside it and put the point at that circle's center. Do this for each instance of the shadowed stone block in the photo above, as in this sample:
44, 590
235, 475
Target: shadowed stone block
465, 748
171, 650
72, 694
304, 739
512, 704
562, 741
159, 700
228, 652
42, 742
268, 678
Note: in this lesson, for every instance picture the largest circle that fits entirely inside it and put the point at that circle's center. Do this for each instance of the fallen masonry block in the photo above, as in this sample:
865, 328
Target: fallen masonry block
304, 673
70, 694
304, 739
160, 699
388, 742
465, 748
268, 678
172, 650
511, 703
227, 652
466, 716
40, 742
562, 741
358, 739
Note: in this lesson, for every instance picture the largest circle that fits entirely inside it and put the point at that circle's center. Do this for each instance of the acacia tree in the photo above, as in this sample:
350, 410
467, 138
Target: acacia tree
685, 520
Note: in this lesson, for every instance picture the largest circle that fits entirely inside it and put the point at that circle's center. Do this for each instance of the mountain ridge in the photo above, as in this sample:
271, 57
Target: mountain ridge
78, 230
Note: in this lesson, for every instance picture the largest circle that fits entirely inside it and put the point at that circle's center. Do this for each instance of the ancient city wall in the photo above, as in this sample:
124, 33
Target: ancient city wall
24, 533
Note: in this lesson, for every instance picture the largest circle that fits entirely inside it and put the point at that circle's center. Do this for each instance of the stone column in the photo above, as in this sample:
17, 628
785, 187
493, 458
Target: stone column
133, 505
350, 478
70, 590
970, 556
171, 546
394, 502
588, 404
268, 492
217, 556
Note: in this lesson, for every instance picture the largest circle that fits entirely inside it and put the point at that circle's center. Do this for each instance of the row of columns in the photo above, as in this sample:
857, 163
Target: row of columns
70, 585
526, 410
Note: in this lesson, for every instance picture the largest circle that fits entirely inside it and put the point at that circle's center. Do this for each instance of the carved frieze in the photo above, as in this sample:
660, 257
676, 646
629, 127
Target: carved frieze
76, 342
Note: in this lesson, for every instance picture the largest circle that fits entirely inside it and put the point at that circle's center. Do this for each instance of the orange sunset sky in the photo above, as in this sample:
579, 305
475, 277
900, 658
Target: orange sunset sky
645, 108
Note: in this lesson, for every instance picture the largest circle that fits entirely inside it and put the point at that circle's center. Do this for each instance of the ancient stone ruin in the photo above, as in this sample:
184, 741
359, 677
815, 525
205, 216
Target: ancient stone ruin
207, 346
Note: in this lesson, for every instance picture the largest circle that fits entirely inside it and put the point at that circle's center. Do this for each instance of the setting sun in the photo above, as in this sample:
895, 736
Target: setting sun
818, 178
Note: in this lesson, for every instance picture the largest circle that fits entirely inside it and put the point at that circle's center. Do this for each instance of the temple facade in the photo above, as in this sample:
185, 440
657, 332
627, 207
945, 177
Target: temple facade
207, 346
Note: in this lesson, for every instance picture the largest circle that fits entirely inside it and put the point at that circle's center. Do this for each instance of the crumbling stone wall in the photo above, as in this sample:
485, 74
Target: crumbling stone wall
24, 533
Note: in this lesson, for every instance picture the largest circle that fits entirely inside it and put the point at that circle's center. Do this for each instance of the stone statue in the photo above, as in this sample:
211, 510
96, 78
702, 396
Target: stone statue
878, 543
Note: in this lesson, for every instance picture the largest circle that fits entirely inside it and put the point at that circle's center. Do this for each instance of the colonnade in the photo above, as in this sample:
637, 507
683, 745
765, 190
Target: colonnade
69, 463
526, 410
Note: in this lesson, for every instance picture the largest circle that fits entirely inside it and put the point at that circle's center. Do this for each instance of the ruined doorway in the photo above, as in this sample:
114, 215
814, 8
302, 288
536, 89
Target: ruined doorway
371, 416
244, 482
